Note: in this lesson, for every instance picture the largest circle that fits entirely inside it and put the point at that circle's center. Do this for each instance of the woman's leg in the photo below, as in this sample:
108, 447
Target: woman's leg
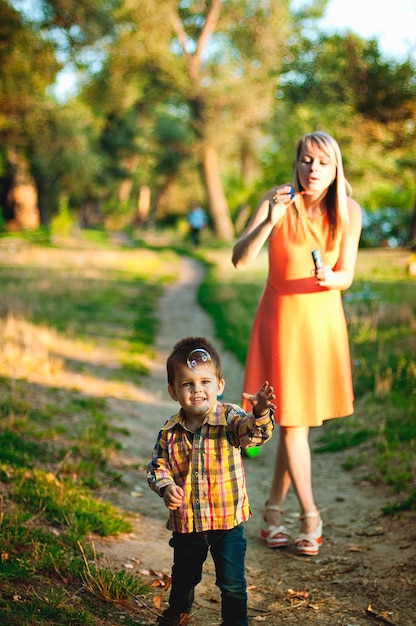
281, 476
293, 466
280, 485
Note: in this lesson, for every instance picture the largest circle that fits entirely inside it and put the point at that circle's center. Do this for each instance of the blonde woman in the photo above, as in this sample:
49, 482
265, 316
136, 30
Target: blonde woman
299, 337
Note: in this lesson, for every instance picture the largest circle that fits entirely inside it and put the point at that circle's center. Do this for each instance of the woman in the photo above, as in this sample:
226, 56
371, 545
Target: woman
299, 337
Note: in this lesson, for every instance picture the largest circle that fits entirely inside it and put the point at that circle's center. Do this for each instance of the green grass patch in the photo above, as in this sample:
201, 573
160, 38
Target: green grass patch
18, 452
41, 609
114, 587
63, 503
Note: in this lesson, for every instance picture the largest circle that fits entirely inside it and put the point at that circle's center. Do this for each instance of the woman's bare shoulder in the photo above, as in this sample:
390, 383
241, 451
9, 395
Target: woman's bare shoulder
354, 215
353, 206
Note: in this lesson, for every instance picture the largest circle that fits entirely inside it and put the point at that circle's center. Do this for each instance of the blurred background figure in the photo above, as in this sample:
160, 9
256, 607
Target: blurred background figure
197, 220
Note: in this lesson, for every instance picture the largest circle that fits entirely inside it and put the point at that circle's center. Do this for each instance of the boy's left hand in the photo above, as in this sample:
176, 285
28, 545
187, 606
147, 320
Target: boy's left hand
262, 401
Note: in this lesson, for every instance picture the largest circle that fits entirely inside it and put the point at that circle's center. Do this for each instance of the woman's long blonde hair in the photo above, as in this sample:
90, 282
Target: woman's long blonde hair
336, 198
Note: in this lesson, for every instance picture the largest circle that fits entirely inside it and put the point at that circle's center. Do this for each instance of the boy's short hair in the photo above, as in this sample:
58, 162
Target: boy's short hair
183, 348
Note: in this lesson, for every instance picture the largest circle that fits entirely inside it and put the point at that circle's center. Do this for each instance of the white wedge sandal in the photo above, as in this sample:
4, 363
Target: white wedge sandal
274, 536
313, 539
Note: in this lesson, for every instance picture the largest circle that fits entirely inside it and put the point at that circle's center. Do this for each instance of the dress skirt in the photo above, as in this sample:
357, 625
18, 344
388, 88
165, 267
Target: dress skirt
299, 340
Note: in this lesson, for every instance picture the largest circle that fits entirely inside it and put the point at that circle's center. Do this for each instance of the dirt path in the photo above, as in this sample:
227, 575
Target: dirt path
365, 572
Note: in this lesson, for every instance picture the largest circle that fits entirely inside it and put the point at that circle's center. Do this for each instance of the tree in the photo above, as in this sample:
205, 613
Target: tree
215, 60
27, 65
343, 85
66, 162
32, 35
230, 50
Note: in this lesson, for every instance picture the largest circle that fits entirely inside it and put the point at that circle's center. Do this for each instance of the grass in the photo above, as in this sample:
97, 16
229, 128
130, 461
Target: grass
77, 325
115, 587
381, 314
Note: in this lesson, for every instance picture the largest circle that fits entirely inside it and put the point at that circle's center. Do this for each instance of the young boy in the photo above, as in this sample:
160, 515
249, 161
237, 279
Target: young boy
197, 469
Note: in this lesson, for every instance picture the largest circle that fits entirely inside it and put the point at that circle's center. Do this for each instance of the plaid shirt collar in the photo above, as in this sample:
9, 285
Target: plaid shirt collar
214, 417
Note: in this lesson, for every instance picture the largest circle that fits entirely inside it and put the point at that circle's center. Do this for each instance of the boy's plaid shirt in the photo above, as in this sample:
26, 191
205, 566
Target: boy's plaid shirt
208, 466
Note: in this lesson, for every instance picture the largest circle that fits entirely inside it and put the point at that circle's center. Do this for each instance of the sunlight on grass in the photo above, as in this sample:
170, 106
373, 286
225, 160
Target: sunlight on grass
42, 355
382, 265
26, 349
72, 315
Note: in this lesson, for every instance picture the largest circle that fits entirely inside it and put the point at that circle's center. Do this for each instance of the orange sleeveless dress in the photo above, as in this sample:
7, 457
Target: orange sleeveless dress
299, 340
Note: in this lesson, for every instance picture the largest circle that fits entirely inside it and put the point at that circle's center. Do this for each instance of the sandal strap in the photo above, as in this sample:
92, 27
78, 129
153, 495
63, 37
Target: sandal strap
309, 537
314, 538
277, 530
273, 507
310, 514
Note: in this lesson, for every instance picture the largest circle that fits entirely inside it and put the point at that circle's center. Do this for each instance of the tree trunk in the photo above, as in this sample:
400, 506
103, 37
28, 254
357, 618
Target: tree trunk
124, 190
22, 198
130, 164
43, 202
218, 207
143, 204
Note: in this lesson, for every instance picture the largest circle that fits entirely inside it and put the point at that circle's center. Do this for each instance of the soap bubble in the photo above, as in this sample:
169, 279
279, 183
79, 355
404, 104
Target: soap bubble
198, 358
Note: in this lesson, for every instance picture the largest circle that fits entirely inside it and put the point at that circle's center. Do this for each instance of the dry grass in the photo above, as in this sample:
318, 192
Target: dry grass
27, 350
54, 284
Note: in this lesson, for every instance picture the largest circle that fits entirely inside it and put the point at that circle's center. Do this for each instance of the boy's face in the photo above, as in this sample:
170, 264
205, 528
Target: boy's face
196, 391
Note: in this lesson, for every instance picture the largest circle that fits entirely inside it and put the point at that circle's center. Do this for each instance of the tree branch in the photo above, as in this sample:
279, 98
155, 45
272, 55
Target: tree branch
193, 61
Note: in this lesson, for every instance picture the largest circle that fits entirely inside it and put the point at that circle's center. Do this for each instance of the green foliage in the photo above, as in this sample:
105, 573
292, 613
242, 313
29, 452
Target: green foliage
322, 65
160, 113
387, 225
63, 224
14, 450
27, 66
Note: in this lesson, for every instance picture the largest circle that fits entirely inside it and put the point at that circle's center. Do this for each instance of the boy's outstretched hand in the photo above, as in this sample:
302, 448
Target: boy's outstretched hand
262, 401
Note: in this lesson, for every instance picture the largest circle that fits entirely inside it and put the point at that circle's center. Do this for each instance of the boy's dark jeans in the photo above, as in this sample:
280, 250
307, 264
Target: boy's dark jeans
228, 549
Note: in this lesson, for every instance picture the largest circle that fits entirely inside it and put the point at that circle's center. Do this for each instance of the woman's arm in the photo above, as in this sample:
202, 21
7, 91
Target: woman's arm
265, 217
343, 275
